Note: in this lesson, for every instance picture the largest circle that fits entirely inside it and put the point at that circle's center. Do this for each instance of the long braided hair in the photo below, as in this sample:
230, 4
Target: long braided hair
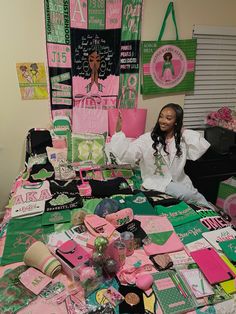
159, 137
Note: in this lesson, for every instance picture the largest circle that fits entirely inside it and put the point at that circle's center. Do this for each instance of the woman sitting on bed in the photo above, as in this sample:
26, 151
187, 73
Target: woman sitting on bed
162, 154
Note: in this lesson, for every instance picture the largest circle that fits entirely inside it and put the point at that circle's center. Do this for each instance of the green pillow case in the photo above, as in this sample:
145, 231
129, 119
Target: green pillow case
88, 149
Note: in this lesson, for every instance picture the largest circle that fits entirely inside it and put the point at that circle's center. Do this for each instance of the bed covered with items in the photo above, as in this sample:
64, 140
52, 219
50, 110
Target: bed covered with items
81, 236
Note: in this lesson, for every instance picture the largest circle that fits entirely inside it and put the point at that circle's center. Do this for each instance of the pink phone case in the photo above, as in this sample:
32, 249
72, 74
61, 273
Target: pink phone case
72, 253
212, 266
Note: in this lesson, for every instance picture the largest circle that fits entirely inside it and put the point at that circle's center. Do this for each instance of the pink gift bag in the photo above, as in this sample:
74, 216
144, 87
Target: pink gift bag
88, 116
133, 119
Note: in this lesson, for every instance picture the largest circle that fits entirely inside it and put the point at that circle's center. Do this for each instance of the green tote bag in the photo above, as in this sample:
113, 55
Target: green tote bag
168, 65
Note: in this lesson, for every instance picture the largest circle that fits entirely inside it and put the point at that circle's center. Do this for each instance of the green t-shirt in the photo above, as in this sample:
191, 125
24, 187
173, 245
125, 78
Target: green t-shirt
177, 214
137, 202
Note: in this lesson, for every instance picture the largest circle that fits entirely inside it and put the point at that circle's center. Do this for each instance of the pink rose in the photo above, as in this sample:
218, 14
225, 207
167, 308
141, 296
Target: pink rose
225, 113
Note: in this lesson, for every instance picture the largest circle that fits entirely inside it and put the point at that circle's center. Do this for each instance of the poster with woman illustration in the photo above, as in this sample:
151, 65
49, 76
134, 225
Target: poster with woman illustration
95, 61
32, 80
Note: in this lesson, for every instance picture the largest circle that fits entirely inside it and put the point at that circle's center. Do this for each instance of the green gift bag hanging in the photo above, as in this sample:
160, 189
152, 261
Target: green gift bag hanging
168, 65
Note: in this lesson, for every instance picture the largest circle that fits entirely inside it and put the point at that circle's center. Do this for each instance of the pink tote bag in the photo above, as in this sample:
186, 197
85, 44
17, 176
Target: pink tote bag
133, 120
88, 116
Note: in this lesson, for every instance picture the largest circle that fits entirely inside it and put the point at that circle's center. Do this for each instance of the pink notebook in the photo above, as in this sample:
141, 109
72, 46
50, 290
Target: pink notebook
212, 266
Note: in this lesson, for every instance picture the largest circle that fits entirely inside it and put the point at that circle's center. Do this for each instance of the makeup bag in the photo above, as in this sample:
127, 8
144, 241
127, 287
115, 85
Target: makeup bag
72, 253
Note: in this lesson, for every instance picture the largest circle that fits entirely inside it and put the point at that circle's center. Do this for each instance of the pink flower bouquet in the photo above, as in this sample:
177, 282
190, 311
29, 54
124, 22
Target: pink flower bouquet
224, 117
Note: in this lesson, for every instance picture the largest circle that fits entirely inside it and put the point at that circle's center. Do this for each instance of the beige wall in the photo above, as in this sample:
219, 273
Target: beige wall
23, 40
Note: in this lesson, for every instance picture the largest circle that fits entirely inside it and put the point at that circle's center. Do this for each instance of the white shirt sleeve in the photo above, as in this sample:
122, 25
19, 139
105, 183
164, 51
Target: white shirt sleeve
126, 150
196, 145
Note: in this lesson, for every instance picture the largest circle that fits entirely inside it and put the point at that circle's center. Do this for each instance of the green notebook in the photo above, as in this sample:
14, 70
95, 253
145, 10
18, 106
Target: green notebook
229, 248
171, 292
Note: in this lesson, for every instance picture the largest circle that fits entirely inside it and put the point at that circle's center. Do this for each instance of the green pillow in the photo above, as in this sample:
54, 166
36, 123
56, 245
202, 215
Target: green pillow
88, 149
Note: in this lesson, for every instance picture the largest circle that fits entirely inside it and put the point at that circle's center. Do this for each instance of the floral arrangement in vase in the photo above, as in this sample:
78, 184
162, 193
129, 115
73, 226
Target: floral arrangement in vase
223, 117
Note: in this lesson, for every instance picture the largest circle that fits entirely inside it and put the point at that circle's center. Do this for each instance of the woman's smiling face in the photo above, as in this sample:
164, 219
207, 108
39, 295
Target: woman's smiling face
167, 120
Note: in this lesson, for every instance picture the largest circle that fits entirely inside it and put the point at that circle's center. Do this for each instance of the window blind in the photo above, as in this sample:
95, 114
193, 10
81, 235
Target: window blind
215, 74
